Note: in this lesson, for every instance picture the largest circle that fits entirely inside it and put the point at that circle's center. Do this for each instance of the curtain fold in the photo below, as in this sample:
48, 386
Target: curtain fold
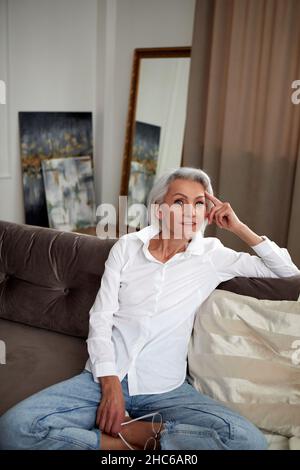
242, 127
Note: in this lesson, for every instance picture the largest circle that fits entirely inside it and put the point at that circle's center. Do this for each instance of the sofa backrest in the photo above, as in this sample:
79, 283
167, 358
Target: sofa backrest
48, 278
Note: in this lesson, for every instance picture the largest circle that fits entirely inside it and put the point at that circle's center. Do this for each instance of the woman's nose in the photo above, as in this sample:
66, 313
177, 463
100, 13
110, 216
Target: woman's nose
189, 210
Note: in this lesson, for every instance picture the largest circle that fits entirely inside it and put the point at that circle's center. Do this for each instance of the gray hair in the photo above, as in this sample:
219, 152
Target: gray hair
161, 186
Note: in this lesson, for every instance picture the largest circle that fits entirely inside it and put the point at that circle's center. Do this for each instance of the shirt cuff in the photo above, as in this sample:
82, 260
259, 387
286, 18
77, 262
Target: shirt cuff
263, 248
101, 369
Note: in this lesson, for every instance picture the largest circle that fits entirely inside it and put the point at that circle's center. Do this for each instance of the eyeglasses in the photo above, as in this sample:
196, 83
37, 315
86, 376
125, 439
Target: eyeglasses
151, 442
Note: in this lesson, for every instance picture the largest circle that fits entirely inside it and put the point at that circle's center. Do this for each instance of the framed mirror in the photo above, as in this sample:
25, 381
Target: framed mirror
155, 122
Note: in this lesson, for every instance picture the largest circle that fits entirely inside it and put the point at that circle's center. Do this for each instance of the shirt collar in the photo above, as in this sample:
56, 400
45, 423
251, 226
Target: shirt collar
196, 245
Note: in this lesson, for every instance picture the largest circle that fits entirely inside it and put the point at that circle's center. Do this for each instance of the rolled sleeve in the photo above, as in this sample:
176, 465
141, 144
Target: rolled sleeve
101, 369
263, 248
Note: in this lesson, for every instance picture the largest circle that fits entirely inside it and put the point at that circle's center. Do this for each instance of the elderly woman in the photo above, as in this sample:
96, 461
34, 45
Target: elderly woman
140, 325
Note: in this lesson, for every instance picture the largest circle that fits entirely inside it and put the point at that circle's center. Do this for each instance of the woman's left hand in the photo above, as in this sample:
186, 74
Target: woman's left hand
222, 214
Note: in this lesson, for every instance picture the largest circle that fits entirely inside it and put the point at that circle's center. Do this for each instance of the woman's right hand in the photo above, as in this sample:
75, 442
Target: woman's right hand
111, 410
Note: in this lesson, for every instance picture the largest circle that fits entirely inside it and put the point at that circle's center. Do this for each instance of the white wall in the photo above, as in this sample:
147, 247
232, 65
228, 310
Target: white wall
76, 55
51, 66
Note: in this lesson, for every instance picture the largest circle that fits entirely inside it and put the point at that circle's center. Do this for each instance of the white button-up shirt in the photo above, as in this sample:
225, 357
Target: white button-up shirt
143, 315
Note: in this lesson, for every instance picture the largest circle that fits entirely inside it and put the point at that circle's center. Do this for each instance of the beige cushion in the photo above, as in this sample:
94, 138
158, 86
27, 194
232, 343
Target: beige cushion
278, 442
243, 353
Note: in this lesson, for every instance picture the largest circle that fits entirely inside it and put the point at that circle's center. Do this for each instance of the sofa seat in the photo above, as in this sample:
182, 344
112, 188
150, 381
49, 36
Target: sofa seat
35, 359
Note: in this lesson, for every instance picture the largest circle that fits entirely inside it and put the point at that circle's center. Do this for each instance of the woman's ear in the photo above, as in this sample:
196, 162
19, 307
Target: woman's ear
158, 212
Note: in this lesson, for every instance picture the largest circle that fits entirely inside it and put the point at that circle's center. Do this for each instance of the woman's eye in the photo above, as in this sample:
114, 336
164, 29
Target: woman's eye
177, 200
181, 201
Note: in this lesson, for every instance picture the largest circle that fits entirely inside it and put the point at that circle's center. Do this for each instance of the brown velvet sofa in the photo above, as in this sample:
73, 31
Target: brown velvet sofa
48, 283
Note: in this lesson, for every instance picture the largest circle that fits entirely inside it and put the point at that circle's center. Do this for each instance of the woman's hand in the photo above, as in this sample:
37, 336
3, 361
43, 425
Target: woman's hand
111, 410
223, 214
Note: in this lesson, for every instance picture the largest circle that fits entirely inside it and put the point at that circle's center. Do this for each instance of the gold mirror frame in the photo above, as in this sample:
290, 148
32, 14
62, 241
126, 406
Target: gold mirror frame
145, 53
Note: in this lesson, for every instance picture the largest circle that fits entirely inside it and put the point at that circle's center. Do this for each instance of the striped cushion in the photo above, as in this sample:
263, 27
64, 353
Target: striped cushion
245, 353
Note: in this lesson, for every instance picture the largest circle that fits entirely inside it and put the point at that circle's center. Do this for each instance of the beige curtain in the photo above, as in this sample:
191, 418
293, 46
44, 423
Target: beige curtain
242, 127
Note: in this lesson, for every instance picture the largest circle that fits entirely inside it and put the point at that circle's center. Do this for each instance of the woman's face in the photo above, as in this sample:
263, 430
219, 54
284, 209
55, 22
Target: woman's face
184, 209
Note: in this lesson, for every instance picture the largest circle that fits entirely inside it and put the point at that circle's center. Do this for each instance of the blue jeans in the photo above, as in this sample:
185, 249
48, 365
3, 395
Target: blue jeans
63, 415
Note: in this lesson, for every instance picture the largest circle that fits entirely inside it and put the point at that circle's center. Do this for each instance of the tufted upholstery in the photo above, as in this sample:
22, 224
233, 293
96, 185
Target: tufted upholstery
267, 288
49, 279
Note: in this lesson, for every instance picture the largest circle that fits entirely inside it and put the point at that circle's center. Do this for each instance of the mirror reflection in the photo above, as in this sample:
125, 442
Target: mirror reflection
158, 124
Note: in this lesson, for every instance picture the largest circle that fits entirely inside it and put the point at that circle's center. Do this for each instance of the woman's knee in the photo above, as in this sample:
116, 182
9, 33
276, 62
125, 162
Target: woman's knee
8, 428
249, 437
14, 427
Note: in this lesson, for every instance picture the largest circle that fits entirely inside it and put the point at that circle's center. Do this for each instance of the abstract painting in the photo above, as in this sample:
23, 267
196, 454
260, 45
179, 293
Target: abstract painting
46, 135
143, 163
70, 194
